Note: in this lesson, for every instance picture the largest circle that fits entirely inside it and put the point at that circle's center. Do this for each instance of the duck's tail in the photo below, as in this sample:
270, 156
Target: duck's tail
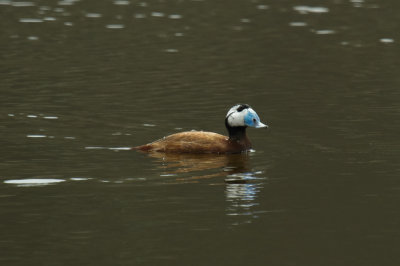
145, 147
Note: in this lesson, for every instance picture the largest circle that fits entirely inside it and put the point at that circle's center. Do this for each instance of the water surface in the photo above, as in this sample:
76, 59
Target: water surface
82, 81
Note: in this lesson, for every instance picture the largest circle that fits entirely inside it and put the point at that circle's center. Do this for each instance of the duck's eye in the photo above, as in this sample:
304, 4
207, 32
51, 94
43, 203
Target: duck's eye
254, 120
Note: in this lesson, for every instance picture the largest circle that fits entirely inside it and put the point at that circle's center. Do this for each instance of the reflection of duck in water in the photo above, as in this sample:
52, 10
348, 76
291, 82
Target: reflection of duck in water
186, 163
238, 118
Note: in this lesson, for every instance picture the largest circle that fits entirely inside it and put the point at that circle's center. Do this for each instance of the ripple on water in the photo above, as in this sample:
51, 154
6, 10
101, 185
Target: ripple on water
386, 40
115, 26
93, 15
121, 3
175, 16
36, 136
67, 2
171, 50
242, 199
79, 178
140, 15
297, 24
48, 117
157, 14
30, 20
95, 148
243, 177
22, 4
51, 117
357, 3
310, 9
44, 8
120, 149
324, 32
59, 9
262, 7
108, 148
49, 19
33, 182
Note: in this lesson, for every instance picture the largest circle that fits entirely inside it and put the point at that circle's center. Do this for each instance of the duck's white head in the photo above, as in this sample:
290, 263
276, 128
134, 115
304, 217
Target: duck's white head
242, 115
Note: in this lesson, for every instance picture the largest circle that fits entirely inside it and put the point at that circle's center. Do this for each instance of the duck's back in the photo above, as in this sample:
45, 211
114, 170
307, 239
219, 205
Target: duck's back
195, 142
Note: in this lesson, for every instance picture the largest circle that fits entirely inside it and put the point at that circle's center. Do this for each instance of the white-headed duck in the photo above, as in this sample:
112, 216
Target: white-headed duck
238, 118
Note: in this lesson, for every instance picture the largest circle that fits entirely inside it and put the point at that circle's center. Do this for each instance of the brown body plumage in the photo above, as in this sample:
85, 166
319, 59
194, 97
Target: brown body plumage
197, 142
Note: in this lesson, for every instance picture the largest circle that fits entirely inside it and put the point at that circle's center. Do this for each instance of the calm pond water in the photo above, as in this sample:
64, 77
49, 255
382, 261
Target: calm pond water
82, 81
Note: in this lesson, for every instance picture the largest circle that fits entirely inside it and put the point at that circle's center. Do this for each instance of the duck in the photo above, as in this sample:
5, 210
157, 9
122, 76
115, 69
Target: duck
238, 118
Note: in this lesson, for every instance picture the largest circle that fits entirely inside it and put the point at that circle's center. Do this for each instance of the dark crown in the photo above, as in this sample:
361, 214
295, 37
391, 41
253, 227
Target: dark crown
242, 107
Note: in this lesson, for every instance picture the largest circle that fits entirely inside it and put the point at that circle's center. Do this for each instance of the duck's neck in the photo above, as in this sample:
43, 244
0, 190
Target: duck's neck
238, 134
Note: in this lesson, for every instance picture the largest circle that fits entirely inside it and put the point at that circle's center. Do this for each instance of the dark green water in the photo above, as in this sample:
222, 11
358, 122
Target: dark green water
83, 80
